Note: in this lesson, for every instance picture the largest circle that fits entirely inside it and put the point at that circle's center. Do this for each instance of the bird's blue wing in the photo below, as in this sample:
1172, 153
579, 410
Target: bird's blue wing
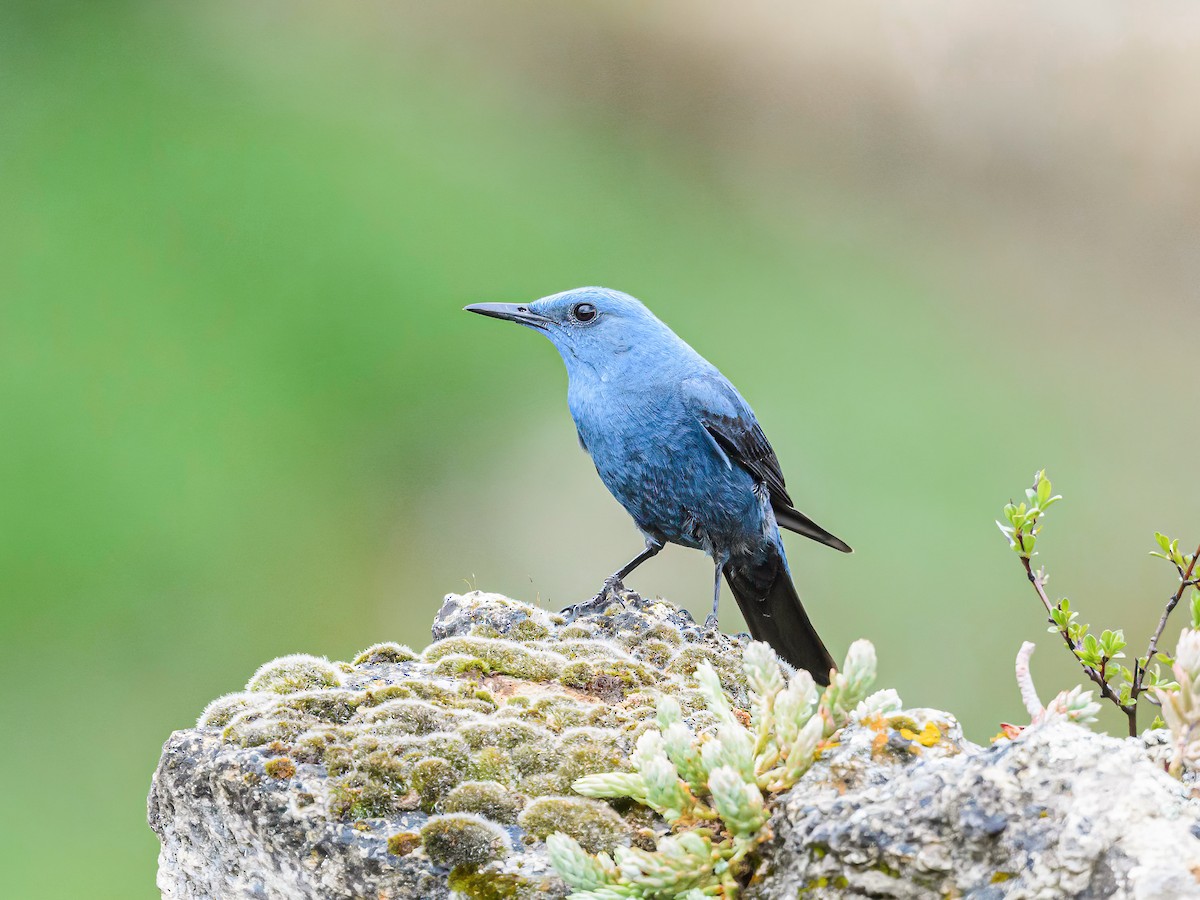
730, 422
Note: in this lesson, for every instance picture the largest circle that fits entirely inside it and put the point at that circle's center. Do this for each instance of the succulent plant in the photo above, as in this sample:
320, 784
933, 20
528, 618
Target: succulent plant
714, 790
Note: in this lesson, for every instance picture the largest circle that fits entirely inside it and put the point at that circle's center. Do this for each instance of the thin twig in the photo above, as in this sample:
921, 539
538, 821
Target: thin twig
1106, 691
1185, 580
1041, 592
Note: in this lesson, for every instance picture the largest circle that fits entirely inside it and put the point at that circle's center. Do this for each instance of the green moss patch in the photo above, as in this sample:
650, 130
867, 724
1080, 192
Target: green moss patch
488, 723
489, 799
433, 779
298, 672
403, 843
595, 825
503, 656
279, 767
463, 839
385, 653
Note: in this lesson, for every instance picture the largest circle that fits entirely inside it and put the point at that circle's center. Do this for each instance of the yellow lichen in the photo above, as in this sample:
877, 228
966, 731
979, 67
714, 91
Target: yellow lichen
926, 737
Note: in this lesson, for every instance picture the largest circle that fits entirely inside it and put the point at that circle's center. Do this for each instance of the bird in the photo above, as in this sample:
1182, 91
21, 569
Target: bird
681, 450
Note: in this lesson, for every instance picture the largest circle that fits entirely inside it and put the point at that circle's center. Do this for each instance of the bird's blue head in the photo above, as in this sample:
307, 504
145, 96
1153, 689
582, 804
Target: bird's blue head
592, 327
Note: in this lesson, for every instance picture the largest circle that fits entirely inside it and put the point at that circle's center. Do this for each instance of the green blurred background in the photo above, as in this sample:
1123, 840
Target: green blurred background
243, 415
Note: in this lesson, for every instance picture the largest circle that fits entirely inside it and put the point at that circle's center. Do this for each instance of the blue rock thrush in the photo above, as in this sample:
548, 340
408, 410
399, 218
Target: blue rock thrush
681, 450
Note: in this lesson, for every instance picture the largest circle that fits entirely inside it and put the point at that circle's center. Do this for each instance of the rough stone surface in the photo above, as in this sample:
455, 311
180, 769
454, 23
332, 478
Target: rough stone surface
1057, 812
415, 775
319, 782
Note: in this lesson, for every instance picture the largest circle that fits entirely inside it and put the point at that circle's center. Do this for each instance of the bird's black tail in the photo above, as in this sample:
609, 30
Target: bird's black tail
774, 613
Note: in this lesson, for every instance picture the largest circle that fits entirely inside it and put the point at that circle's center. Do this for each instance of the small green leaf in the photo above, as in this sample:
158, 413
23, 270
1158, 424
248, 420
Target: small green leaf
1112, 642
1043, 489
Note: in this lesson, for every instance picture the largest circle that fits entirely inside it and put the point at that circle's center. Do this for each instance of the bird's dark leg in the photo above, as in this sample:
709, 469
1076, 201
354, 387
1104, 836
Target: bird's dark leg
711, 622
652, 548
613, 583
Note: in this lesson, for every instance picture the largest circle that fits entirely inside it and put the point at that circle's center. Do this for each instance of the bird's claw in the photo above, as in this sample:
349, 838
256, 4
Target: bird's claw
711, 624
611, 591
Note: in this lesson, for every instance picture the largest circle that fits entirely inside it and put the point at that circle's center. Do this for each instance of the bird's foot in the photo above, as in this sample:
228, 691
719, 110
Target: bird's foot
711, 624
613, 586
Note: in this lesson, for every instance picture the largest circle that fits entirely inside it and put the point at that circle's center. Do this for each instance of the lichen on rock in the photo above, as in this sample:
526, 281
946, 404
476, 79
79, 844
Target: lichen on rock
481, 734
453, 773
904, 807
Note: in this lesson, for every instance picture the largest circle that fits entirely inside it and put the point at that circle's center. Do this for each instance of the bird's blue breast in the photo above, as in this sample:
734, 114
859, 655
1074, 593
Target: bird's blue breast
657, 460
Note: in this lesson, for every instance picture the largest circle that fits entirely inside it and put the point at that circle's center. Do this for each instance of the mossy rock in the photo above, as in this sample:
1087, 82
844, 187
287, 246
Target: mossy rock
528, 630
576, 632
470, 882
592, 757
505, 733
555, 713
221, 711
279, 767
492, 764
462, 664
586, 649
490, 799
385, 767
654, 653
335, 705
433, 779
510, 707
502, 656
403, 843
356, 797
298, 672
608, 679
257, 727
388, 652
595, 825
463, 839
405, 717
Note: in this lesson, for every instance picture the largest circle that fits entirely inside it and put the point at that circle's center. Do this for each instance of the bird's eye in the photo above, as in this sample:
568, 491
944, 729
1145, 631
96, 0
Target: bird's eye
583, 312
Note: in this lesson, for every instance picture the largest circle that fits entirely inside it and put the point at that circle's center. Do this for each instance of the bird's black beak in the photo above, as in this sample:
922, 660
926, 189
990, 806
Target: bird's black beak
513, 312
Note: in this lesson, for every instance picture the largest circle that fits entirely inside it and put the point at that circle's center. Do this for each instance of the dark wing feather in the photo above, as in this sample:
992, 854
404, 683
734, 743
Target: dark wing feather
731, 424
744, 442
